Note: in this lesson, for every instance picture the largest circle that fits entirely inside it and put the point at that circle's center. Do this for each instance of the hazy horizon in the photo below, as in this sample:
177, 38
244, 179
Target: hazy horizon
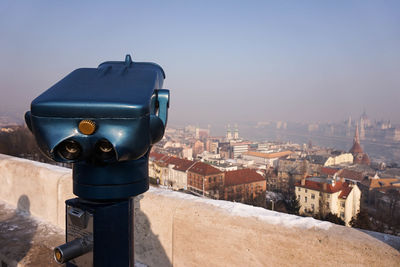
225, 61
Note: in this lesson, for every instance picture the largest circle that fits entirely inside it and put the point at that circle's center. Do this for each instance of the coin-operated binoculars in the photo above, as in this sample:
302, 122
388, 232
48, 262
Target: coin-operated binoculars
103, 120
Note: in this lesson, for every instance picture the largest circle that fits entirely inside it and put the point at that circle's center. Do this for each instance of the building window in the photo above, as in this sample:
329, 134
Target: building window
209, 180
306, 190
312, 196
299, 189
305, 199
342, 204
312, 207
215, 179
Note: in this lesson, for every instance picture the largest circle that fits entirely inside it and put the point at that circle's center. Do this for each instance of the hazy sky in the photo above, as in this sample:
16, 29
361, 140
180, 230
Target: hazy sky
225, 61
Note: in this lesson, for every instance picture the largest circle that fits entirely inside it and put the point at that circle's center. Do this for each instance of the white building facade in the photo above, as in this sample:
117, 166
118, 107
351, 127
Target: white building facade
338, 197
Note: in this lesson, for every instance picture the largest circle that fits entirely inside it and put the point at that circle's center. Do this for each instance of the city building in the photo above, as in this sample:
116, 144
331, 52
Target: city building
288, 172
387, 200
212, 145
346, 158
177, 173
328, 172
232, 135
224, 166
244, 185
187, 153
263, 148
224, 150
229, 134
321, 196
202, 134
352, 175
373, 187
236, 133
158, 167
204, 179
268, 159
169, 170
198, 147
237, 149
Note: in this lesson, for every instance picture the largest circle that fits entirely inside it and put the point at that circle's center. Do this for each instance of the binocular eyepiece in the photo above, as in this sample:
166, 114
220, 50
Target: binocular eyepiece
70, 150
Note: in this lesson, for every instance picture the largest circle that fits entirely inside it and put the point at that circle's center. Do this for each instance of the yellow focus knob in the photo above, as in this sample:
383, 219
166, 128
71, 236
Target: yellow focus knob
87, 127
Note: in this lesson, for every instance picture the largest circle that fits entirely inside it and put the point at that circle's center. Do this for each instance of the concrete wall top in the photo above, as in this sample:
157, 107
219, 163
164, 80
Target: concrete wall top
177, 229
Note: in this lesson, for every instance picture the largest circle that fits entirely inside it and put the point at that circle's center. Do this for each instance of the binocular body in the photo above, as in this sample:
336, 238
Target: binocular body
103, 120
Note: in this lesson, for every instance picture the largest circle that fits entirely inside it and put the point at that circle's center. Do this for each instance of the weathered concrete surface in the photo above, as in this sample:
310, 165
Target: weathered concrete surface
181, 230
25, 241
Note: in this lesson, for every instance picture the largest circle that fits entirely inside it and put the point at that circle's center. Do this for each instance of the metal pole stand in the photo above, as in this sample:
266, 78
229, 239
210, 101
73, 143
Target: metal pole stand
98, 234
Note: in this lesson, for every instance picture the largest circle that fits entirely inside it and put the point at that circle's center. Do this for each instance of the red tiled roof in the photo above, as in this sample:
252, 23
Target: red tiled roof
204, 169
156, 156
344, 188
180, 164
345, 191
349, 174
243, 176
320, 186
164, 160
328, 171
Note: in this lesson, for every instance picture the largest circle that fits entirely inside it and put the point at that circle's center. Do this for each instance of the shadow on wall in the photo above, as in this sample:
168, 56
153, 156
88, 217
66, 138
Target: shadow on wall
148, 248
16, 230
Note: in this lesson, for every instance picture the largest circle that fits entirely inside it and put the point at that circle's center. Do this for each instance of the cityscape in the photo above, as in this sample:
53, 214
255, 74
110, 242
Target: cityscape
228, 133
303, 169
301, 178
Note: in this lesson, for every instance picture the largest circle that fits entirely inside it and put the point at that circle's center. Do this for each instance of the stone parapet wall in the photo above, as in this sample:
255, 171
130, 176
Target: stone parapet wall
42, 188
176, 229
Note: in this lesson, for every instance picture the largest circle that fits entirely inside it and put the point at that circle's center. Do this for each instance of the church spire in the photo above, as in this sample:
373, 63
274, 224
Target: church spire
356, 135
358, 153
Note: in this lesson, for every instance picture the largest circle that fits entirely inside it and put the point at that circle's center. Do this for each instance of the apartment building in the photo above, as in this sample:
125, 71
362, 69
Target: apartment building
237, 149
177, 173
204, 179
169, 171
243, 185
321, 196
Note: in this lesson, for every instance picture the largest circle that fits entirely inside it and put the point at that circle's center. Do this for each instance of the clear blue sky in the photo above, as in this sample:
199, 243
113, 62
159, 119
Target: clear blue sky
226, 61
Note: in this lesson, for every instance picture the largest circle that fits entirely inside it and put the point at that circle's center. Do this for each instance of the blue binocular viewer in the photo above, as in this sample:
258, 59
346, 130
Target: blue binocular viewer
104, 120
